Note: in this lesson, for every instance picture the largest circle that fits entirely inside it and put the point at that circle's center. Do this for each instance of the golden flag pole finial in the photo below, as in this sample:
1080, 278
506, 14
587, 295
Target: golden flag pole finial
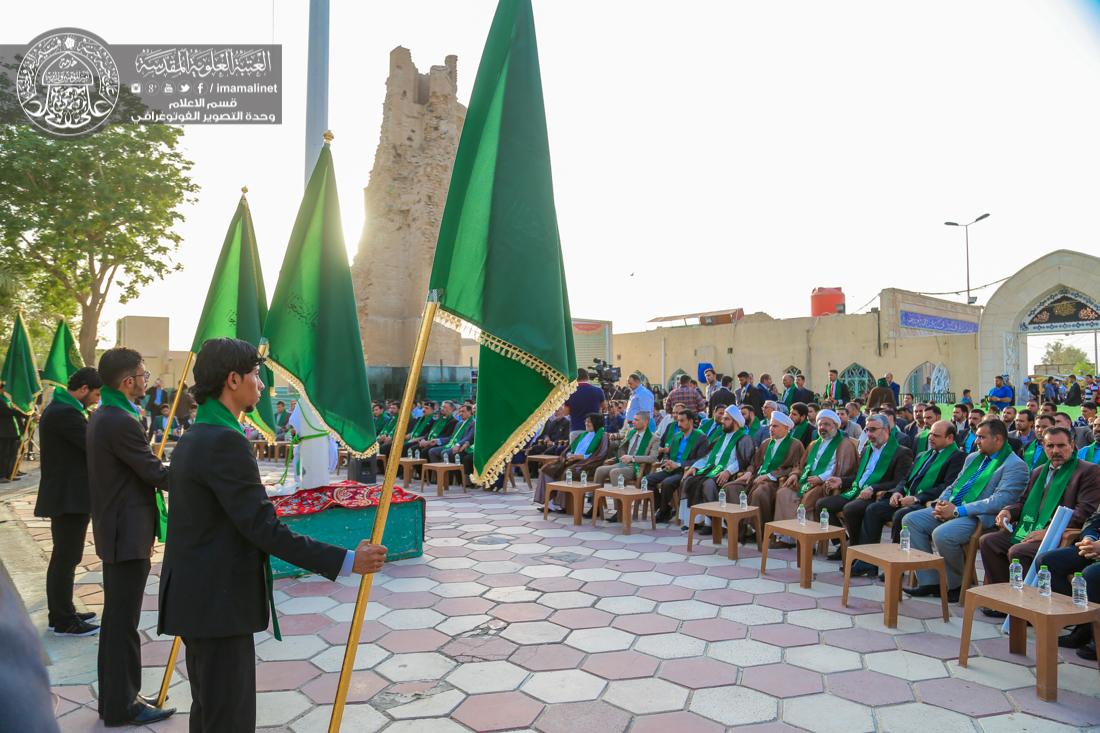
244, 190
328, 136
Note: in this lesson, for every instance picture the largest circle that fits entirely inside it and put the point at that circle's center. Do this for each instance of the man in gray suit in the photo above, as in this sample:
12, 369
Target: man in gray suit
991, 478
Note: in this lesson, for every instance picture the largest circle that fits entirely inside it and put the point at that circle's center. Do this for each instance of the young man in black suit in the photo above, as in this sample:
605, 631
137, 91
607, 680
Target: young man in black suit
214, 591
63, 495
123, 474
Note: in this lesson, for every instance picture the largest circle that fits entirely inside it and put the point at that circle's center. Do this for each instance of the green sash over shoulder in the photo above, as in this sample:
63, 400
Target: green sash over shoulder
114, 398
800, 430
670, 434
820, 456
980, 483
643, 446
717, 462
928, 480
692, 440
592, 446
883, 465
63, 396
437, 427
1034, 455
922, 440
775, 455
1036, 515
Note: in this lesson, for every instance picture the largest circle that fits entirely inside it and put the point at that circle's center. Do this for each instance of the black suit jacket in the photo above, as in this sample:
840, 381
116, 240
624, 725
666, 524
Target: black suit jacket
895, 475
803, 395
63, 488
948, 473
221, 528
122, 473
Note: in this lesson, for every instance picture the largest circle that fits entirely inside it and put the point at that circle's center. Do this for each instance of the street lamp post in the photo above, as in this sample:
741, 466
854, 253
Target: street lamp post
966, 227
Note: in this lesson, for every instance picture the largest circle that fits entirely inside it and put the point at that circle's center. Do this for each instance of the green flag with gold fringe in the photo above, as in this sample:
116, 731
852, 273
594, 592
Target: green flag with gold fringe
236, 305
64, 358
498, 266
20, 373
312, 327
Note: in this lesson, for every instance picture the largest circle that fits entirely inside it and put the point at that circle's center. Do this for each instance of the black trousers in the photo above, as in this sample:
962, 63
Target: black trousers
663, 484
9, 448
835, 504
875, 518
68, 532
119, 643
1063, 563
222, 673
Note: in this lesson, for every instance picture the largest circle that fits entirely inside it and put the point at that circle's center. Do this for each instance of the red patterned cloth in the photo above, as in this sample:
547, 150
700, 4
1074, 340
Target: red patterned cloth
346, 494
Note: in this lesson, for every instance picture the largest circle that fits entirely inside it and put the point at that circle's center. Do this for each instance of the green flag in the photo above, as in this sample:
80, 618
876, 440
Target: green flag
236, 305
313, 325
64, 359
498, 266
20, 373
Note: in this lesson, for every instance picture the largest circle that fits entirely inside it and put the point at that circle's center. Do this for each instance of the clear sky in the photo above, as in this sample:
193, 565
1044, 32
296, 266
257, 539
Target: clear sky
706, 154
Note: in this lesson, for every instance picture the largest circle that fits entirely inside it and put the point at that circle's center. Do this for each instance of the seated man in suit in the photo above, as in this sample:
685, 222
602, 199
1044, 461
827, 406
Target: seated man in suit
638, 448
991, 478
440, 432
883, 465
932, 471
1063, 480
1091, 451
586, 452
828, 464
803, 430
221, 531
688, 446
1081, 557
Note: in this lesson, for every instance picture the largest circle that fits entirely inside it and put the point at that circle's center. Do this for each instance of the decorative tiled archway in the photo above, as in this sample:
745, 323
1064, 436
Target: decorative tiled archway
1061, 280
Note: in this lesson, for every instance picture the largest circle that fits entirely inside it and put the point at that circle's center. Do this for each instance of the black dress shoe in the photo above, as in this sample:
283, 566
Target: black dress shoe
833, 555
152, 699
993, 613
953, 595
1088, 651
663, 516
1076, 638
587, 514
143, 714
613, 519
85, 615
705, 530
925, 591
863, 569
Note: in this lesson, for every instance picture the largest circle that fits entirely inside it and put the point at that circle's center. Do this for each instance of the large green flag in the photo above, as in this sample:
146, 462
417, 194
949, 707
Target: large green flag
236, 304
64, 358
498, 265
313, 326
20, 373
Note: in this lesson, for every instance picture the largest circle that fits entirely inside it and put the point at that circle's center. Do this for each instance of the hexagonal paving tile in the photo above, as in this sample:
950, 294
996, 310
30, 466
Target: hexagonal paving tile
917, 717
645, 623
418, 666
785, 635
582, 618
681, 722
279, 708
620, 665
600, 640
572, 685
782, 680
819, 619
413, 640
622, 605
906, 665
498, 711
698, 672
646, 695
687, 610
670, 646
513, 612
360, 717
459, 590
534, 632
412, 618
570, 599
734, 705
745, 652
478, 677
823, 658
542, 657
829, 714
968, 698
714, 629
869, 688
574, 716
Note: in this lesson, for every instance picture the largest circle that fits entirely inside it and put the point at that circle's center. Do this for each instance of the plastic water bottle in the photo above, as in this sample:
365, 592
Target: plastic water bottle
417, 454
644, 486
1080, 594
801, 515
903, 538
824, 518
569, 475
1016, 575
1044, 582
410, 452
743, 500
721, 497
446, 457
584, 477
621, 482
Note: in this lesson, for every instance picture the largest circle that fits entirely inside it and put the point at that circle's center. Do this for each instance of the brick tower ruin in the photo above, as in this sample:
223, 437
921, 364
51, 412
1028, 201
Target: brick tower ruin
421, 125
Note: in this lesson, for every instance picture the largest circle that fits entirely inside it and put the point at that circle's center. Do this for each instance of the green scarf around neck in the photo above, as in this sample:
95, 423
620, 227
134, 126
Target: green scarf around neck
456, 434
114, 398
717, 462
800, 430
820, 456
643, 446
671, 432
1041, 505
775, 455
63, 396
1090, 452
883, 465
979, 484
928, 480
689, 444
593, 445
1034, 455
437, 427
922, 440
213, 412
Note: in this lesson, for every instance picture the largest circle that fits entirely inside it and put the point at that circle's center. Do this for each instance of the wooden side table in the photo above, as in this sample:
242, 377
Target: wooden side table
407, 466
893, 561
627, 501
540, 460
575, 492
1025, 606
442, 473
732, 514
806, 536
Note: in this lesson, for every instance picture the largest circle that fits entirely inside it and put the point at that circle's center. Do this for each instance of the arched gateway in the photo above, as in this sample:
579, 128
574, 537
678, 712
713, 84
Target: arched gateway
1057, 293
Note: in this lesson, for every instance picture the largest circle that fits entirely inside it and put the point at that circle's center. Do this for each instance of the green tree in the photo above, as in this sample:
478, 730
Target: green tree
1059, 352
79, 218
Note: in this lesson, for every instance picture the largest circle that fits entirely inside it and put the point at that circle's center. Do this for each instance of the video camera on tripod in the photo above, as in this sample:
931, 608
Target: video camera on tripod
607, 375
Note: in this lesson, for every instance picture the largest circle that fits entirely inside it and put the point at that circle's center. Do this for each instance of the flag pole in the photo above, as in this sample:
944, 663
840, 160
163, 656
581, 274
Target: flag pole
366, 581
24, 441
173, 653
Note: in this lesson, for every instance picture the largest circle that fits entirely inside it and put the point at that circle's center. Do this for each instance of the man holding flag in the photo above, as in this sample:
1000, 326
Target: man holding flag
215, 588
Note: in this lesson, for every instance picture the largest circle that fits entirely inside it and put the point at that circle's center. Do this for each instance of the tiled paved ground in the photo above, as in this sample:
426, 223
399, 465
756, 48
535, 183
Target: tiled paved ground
509, 622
